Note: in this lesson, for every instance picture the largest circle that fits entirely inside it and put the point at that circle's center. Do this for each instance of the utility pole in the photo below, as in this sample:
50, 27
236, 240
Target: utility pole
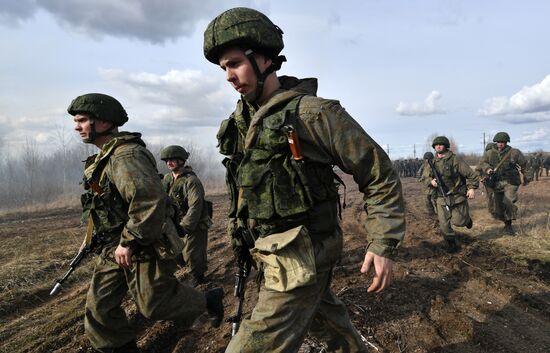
414, 150
483, 143
388, 149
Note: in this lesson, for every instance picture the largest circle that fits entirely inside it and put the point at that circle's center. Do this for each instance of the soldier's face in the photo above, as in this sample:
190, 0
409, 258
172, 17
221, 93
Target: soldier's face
174, 165
83, 125
440, 148
239, 71
501, 145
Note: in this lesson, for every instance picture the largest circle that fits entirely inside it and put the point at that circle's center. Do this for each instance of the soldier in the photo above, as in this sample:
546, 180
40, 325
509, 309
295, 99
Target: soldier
503, 164
285, 197
489, 193
535, 163
458, 182
185, 188
429, 192
130, 214
546, 165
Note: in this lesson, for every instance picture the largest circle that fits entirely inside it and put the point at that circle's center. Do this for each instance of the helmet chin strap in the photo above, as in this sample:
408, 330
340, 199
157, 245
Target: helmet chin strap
93, 135
261, 76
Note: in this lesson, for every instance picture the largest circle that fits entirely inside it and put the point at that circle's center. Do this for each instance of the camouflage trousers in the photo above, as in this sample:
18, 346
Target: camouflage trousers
157, 293
536, 172
506, 196
194, 251
458, 216
429, 204
281, 320
490, 196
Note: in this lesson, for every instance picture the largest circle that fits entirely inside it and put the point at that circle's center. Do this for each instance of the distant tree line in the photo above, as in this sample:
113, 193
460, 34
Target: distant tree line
33, 177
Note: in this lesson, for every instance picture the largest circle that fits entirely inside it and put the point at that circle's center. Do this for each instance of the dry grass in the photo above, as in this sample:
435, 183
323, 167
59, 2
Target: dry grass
532, 240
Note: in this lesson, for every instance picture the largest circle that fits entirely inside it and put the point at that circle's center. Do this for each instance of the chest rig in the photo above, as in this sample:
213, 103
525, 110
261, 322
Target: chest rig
265, 182
101, 201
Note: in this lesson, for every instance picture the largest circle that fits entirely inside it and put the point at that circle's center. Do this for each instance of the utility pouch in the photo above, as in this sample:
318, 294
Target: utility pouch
287, 259
490, 180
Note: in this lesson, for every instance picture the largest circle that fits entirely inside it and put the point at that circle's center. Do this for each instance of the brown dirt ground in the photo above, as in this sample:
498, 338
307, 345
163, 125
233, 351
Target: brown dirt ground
488, 297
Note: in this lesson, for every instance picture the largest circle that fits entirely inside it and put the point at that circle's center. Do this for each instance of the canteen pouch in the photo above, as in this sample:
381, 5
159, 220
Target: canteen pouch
287, 259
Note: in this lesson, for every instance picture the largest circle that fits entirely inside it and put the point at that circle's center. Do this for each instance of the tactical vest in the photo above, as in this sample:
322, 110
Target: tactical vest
507, 171
449, 175
265, 182
108, 210
182, 203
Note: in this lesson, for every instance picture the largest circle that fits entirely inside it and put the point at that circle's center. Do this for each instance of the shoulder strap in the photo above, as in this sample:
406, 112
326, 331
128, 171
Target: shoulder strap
503, 158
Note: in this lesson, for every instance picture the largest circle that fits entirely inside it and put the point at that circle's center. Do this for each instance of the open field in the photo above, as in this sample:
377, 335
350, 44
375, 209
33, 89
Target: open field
492, 296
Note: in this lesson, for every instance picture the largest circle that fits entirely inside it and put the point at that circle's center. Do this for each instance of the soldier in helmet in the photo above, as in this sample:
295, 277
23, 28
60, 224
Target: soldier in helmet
505, 164
429, 192
489, 193
535, 162
281, 144
185, 188
130, 214
458, 182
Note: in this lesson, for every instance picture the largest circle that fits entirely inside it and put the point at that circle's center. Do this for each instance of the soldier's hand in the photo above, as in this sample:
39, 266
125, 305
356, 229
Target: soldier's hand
434, 183
489, 171
123, 256
471, 194
383, 271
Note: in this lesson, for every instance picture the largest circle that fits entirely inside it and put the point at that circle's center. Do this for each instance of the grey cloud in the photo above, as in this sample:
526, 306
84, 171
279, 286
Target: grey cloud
177, 97
527, 119
15, 12
154, 21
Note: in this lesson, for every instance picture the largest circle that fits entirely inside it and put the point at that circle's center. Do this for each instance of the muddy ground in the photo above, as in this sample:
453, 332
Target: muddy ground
491, 296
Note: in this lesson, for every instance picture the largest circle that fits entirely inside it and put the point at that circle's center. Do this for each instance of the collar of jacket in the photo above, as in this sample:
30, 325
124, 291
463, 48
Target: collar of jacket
107, 149
291, 87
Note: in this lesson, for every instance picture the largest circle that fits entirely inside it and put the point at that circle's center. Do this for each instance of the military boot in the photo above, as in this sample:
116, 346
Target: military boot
452, 245
129, 347
197, 280
214, 305
508, 229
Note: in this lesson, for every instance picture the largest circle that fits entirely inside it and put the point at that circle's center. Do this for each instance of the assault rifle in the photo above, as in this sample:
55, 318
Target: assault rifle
429, 156
90, 244
238, 292
247, 238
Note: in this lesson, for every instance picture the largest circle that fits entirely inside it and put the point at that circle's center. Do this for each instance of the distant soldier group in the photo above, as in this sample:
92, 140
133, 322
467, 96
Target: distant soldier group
407, 168
449, 182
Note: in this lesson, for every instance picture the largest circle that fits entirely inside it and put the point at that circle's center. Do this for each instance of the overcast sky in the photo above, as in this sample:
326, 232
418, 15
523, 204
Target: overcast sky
403, 69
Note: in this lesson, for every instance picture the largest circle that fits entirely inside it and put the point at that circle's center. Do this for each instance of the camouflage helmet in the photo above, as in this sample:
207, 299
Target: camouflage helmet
441, 140
501, 137
174, 152
102, 106
243, 27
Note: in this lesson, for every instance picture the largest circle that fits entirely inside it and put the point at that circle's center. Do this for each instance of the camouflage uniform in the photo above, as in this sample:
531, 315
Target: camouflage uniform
546, 165
429, 192
273, 193
132, 212
187, 191
535, 163
456, 177
508, 179
489, 193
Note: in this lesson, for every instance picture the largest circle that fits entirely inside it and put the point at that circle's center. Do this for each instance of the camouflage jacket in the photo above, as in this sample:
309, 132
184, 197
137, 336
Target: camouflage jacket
329, 137
508, 170
132, 208
187, 191
456, 175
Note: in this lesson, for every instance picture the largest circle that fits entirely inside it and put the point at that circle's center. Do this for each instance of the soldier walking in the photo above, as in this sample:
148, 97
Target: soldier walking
489, 193
458, 182
187, 191
285, 197
504, 164
535, 163
130, 214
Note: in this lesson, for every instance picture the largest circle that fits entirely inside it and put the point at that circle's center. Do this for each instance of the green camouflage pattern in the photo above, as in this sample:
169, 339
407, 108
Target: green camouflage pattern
328, 136
243, 27
134, 211
457, 177
508, 179
188, 193
102, 106
174, 152
441, 140
501, 137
